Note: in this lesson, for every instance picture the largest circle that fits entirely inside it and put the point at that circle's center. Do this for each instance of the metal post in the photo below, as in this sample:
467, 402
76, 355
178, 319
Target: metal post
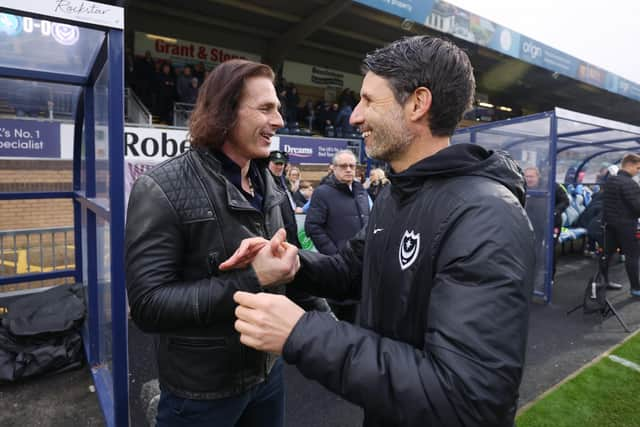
116, 197
91, 281
551, 182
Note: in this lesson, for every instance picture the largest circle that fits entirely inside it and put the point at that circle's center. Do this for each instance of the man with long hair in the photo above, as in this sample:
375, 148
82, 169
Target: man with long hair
186, 216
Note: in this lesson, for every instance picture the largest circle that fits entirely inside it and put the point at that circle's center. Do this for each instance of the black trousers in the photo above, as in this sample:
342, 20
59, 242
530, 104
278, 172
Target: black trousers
622, 236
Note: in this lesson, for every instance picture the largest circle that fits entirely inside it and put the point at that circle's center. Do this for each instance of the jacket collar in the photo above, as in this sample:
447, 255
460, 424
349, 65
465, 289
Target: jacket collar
235, 199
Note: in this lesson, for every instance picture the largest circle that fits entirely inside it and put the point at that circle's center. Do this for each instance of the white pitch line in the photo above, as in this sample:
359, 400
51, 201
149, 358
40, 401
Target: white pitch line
625, 362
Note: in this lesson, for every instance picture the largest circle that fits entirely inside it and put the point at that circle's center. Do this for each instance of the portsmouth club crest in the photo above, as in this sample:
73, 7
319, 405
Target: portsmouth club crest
409, 249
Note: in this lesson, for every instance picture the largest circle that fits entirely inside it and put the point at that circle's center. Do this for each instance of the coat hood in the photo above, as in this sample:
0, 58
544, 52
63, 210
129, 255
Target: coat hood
462, 160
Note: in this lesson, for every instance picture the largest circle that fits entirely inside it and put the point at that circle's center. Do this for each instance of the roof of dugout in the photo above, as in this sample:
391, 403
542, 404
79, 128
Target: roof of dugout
582, 143
337, 34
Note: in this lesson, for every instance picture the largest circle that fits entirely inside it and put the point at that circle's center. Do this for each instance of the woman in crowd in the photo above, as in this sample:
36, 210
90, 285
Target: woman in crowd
294, 176
377, 181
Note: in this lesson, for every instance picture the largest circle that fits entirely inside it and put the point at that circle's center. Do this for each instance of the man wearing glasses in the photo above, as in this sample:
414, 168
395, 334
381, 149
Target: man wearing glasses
339, 209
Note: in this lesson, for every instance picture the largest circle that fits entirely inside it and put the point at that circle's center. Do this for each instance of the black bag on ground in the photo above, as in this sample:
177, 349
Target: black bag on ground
41, 333
594, 295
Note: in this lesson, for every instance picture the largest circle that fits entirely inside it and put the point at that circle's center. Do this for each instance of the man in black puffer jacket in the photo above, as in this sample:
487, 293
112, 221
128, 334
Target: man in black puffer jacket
443, 270
621, 209
187, 215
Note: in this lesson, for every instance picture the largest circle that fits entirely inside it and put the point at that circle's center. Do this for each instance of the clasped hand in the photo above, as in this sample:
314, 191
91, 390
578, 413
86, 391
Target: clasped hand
274, 261
264, 320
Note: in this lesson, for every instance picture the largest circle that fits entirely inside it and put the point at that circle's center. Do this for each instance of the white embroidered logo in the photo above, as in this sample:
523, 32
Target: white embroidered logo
409, 249
377, 230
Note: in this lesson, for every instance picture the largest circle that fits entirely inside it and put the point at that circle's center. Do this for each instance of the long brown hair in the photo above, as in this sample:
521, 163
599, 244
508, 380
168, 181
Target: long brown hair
216, 108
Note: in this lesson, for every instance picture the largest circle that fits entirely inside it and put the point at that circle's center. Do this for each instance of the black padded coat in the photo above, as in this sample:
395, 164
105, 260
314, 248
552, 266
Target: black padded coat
444, 275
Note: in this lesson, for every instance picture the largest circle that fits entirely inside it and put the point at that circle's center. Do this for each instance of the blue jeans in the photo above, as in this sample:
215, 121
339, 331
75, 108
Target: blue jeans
261, 406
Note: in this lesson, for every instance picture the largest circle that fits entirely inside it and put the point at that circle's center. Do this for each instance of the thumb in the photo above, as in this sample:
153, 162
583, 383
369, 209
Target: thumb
278, 238
290, 255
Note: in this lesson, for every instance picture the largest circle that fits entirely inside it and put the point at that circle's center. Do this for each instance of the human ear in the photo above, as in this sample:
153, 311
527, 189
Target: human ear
420, 103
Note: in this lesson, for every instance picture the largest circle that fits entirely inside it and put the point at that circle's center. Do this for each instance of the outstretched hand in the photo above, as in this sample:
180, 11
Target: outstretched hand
274, 261
249, 248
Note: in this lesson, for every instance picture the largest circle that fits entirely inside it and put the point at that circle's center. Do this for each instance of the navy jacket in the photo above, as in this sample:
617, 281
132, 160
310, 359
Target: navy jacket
336, 214
444, 272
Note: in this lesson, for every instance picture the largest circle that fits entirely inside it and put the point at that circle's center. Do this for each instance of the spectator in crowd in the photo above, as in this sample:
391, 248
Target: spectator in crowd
347, 97
199, 71
277, 161
309, 115
184, 217
332, 114
184, 84
145, 77
191, 93
129, 69
602, 174
303, 196
342, 121
537, 211
165, 94
323, 116
443, 270
293, 176
621, 209
292, 99
377, 181
339, 209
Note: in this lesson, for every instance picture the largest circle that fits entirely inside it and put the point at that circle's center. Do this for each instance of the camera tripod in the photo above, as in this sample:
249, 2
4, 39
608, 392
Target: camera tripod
595, 294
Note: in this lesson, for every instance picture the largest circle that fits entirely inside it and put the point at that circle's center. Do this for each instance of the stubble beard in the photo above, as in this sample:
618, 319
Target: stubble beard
391, 139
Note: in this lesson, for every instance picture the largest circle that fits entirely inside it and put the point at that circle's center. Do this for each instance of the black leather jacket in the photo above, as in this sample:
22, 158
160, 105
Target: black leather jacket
184, 219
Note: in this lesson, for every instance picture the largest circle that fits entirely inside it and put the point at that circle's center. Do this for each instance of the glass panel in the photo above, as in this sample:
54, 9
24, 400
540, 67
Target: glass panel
595, 171
604, 136
101, 111
43, 45
103, 244
31, 99
537, 207
35, 234
528, 142
569, 126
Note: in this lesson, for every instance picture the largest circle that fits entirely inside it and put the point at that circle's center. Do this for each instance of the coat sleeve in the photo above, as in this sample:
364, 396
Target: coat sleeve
316, 223
159, 298
337, 276
468, 368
